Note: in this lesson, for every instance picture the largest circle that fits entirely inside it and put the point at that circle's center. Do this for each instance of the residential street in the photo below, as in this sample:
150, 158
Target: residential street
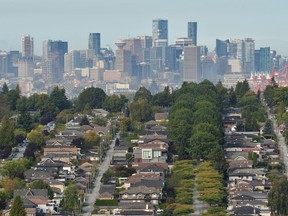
103, 167
20, 154
199, 206
281, 140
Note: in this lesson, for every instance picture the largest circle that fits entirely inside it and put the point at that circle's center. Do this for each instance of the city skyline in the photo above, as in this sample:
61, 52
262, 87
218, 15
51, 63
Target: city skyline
72, 22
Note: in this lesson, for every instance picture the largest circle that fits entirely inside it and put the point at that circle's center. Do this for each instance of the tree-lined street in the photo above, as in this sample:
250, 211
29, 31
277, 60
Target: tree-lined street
95, 191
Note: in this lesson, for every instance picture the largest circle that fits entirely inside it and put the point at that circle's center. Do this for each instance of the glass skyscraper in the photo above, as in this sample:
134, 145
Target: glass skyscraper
160, 29
221, 48
192, 32
265, 60
94, 42
53, 60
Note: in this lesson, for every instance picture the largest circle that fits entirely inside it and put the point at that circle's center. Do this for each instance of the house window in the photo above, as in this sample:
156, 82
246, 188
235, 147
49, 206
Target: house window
147, 154
156, 154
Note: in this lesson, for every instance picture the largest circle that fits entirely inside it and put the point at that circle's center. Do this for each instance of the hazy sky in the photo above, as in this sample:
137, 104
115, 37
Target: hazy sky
71, 20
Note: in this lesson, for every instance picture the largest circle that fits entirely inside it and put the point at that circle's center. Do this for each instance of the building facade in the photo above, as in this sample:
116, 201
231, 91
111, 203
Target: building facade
265, 59
53, 60
192, 71
123, 58
95, 42
221, 48
27, 46
192, 32
159, 30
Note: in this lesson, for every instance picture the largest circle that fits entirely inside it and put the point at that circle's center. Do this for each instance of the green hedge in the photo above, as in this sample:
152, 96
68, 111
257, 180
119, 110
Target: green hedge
106, 202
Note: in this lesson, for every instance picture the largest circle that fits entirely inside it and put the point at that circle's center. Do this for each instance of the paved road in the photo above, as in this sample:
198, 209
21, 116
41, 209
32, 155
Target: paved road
199, 206
95, 192
20, 154
281, 139
281, 143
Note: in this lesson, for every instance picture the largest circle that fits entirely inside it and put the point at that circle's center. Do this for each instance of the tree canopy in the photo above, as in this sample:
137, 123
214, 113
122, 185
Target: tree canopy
143, 94
92, 96
278, 196
70, 201
114, 103
59, 99
7, 136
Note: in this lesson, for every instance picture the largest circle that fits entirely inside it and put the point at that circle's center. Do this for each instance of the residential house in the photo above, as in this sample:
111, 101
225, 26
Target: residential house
119, 155
161, 117
107, 192
151, 152
38, 198
101, 130
100, 112
259, 174
141, 194
241, 176
138, 177
70, 150
65, 158
135, 208
157, 168
70, 133
246, 211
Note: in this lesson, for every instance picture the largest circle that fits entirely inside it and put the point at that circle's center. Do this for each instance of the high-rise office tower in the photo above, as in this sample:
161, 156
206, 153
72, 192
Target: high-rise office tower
249, 48
159, 30
123, 58
192, 71
203, 50
257, 60
53, 60
265, 59
94, 42
3, 64
232, 49
27, 46
135, 47
12, 62
192, 32
25, 67
146, 41
221, 48
243, 50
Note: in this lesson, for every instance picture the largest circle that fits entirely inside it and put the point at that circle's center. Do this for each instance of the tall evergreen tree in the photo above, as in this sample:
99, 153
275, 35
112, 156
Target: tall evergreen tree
143, 93
5, 88
25, 121
59, 99
6, 132
18, 208
278, 197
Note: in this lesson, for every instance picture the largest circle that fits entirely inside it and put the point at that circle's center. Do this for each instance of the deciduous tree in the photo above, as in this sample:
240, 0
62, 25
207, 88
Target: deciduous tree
70, 202
36, 137
94, 97
91, 139
14, 168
